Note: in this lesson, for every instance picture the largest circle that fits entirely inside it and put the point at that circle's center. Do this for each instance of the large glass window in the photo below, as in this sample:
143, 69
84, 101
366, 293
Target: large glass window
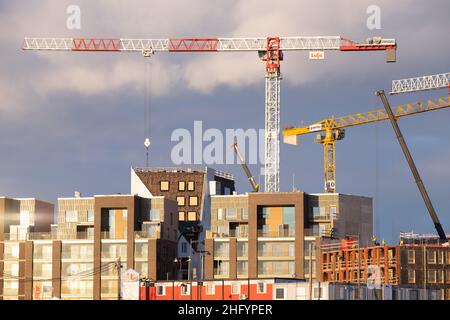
276, 221
242, 268
114, 223
221, 249
231, 214
221, 268
155, 214
242, 249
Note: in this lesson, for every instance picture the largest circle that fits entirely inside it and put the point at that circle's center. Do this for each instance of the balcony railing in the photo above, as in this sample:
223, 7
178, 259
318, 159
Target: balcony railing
111, 236
146, 235
276, 233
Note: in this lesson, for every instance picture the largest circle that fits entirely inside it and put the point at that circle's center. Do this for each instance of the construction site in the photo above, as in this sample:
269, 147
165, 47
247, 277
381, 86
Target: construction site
193, 232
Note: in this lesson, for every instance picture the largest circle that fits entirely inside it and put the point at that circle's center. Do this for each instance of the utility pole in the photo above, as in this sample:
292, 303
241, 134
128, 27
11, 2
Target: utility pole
119, 279
310, 270
359, 271
424, 272
189, 260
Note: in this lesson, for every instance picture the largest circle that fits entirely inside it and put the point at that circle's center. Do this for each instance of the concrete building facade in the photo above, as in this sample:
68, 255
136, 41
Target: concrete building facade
79, 259
266, 235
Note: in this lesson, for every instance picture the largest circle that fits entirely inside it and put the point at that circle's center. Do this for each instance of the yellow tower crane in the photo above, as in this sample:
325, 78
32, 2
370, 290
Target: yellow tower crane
333, 129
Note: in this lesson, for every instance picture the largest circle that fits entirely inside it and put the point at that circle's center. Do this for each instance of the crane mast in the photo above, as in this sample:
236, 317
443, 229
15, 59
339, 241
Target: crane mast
270, 50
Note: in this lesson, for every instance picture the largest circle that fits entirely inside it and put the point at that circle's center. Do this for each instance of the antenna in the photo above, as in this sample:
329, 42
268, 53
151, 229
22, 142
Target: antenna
147, 145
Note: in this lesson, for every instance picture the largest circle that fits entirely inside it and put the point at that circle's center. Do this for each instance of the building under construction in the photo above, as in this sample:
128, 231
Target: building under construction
425, 266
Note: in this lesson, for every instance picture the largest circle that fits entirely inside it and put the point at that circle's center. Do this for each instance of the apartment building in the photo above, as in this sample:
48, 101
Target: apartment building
419, 266
21, 216
192, 189
79, 259
266, 235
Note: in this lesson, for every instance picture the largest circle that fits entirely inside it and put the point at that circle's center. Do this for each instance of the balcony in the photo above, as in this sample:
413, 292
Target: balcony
111, 236
283, 233
146, 235
319, 217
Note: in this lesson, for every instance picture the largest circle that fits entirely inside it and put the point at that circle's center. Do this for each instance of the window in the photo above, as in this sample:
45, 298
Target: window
25, 218
90, 215
191, 186
262, 288
192, 216
279, 293
441, 276
160, 290
210, 288
183, 247
242, 249
181, 201
318, 212
181, 216
220, 214
193, 201
235, 288
181, 186
431, 257
265, 213
242, 267
185, 289
231, 214
441, 257
411, 256
431, 276
411, 276
333, 212
164, 185
448, 275
71, 216
244, 213
154, 214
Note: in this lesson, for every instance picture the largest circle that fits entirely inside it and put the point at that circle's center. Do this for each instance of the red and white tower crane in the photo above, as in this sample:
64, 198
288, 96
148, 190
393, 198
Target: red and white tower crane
270, 50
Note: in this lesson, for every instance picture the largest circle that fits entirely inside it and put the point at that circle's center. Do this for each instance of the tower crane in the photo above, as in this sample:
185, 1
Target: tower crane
334, 130
249, 175
270, 50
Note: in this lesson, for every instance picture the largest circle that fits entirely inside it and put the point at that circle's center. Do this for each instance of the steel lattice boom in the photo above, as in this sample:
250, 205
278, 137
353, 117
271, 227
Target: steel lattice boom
269, 49
436, 81
334, 130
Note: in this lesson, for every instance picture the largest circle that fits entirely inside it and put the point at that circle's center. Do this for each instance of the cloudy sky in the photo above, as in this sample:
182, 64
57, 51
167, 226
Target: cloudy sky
76, 121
